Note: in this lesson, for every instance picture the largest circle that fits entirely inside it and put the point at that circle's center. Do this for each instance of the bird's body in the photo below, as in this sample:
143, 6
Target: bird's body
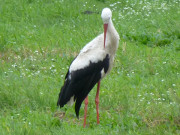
93, 62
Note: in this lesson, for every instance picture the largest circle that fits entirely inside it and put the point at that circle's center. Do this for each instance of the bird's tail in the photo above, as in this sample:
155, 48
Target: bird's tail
64, 97
78, 105
59, 103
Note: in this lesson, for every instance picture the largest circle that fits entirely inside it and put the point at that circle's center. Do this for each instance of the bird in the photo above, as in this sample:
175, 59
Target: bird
89, 67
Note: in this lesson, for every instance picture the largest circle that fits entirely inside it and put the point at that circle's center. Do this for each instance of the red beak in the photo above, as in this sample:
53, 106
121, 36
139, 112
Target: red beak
105, 30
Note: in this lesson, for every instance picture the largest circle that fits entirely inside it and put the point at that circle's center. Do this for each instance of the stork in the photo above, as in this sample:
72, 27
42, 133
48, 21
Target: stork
90, 66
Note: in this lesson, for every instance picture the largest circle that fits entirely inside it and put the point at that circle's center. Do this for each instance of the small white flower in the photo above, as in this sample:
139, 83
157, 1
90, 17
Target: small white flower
55, 70
15, 65
111, 5
156, 73
173, 85
164, 62
38, 72
36, 51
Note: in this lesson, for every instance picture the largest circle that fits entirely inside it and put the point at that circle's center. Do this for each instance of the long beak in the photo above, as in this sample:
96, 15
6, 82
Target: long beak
105, 30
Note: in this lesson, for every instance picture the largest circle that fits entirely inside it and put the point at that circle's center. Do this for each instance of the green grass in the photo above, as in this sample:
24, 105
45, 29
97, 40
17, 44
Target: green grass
38, 41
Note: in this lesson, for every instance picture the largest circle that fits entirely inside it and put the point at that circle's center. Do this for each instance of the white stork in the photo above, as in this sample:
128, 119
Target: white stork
93, 62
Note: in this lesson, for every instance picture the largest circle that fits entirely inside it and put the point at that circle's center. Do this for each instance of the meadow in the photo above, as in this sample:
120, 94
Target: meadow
40, 38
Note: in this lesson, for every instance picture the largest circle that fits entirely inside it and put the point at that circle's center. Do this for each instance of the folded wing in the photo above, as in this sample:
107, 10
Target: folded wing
80, 80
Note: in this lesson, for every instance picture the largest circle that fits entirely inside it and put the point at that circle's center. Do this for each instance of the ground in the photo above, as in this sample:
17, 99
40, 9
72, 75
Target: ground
38, 41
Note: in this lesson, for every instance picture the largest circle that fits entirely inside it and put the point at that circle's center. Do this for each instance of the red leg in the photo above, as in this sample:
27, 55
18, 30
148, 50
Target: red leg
85, 110
97, 101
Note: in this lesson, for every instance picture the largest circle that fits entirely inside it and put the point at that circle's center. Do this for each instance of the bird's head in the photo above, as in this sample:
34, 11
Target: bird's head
106, 17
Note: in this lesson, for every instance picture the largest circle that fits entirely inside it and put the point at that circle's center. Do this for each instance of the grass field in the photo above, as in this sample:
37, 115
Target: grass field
39, 39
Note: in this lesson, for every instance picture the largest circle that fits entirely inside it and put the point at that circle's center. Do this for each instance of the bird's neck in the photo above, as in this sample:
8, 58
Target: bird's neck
112, 36
111, 31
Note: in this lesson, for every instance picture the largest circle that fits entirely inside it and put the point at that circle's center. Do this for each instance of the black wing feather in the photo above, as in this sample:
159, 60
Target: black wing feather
81, 83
